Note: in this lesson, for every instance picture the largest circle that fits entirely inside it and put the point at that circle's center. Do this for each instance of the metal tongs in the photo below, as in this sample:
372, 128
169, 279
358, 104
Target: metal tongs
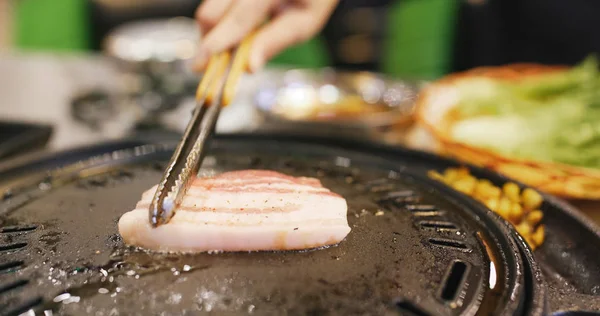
216, 90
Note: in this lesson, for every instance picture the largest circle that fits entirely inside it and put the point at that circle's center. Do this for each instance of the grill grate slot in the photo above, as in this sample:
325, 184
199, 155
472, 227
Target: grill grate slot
23, 307
454, 281
382, 188
12, 285
429, 213
11, 266
408, 308
377, 182
449, 243
421, 208
439, 225
424, 210
14, 246
406, 200
17, 229
401, 201
398, 196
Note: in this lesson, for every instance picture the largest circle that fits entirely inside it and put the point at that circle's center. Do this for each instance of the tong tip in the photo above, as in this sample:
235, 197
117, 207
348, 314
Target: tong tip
161, 211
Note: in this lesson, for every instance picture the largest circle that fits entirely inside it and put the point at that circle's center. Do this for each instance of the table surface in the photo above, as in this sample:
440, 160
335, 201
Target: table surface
39, 87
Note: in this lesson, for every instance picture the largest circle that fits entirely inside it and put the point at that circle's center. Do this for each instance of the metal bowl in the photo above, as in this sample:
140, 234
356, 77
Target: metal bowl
153, 57
329, 97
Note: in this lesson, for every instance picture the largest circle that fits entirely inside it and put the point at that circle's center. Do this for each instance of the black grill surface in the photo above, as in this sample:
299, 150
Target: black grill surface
415, 248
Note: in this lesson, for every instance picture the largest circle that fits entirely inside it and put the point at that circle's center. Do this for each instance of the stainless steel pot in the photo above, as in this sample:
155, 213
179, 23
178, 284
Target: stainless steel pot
154, 57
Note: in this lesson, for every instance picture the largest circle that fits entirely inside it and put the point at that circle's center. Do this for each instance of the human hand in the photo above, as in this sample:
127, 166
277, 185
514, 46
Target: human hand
224, 23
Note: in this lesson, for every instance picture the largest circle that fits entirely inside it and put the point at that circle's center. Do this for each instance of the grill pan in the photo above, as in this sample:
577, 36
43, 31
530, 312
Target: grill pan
416, 247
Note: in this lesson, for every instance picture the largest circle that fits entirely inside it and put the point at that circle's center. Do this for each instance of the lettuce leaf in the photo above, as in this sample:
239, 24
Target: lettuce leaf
552, 117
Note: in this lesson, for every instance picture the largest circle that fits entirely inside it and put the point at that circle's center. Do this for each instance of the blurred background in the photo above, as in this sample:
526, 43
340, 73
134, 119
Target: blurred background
105, 69
403, 38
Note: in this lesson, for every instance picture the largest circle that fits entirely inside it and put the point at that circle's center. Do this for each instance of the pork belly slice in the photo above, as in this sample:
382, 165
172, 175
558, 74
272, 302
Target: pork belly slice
249, 210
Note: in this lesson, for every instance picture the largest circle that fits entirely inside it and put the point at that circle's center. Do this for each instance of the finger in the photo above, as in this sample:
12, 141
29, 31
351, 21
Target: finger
284, 31
210, 12
241, 19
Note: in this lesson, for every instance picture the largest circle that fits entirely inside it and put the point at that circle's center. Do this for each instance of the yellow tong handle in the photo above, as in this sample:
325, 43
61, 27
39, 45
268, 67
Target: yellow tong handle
217, 66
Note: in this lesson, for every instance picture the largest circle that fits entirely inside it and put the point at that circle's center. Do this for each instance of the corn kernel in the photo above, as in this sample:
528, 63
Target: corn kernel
486, 189
465, 185
462, 172
450, 175
479, 190
494, 192
531, 199
534, 217
516, 213
492, 204
504, 207
521, 209
511, 191
538, 235
486, 182
524, 229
